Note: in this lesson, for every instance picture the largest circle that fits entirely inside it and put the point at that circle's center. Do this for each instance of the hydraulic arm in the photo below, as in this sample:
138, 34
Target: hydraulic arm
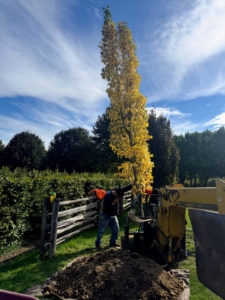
207, 214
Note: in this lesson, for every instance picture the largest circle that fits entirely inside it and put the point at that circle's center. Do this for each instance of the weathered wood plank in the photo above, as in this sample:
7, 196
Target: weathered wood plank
77, 209
67, 202
127, 200
71, 221
127, 192
54, 221
60, 231
126, 206
127, 196
65, 237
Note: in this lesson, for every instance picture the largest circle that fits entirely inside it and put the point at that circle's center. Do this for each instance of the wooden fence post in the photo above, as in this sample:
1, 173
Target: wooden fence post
43, 228
54, 222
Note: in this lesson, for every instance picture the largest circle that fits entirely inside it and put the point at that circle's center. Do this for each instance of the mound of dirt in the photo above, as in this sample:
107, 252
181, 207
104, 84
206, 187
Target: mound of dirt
114, 274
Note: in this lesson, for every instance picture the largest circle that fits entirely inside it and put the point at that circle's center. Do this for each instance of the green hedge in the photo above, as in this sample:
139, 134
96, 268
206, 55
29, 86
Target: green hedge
22, 193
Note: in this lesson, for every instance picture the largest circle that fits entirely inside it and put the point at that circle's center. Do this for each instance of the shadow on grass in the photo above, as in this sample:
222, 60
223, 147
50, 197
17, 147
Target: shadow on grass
29, 269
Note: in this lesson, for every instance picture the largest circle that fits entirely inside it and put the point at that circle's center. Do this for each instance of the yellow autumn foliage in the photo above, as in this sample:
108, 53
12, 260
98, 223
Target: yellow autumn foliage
127, 113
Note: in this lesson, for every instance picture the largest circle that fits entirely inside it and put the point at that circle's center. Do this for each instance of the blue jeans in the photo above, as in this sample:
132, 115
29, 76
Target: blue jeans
113, 223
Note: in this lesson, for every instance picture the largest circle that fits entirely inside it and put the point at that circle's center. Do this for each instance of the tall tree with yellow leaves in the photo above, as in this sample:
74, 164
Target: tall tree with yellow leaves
127, 113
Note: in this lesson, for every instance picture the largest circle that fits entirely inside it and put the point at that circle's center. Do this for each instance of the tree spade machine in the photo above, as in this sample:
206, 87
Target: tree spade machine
162, 228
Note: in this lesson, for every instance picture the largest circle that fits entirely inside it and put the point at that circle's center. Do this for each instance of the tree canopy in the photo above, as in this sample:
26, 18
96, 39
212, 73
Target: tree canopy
25, 150
165, 152
71, 150
105, 159
202, 156
2, 147
127, 112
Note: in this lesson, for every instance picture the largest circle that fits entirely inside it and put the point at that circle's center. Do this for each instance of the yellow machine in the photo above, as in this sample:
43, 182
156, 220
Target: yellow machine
161, 233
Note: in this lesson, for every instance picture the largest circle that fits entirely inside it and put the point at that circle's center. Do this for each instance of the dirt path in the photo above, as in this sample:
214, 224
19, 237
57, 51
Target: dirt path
8, 256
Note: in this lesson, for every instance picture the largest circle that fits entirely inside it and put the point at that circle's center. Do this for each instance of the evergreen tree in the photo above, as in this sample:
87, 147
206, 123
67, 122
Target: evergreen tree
165, 152
190, 151
202, 156
180, 143
105, 159
218, 152
206, 167
24, 150
2, 147
71, 150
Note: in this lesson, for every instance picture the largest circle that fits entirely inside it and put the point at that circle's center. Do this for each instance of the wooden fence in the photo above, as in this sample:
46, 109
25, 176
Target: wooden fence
64, 219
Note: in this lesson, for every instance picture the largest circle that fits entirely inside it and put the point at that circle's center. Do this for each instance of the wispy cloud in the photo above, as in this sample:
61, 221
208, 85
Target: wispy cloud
168, 112
217, 122
8, 125
47, 57
183, 127
40, 60
185, 57
179, 122
44, 119
97, 13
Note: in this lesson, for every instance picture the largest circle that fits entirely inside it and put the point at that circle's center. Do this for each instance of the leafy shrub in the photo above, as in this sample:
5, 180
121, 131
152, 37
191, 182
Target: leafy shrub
22, 193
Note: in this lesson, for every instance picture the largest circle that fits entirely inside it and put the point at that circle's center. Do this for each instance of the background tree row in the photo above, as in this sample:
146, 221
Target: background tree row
192, 158
202, 156
76, 150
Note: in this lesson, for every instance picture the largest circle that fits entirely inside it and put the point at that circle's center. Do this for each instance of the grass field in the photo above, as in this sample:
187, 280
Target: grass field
28, 270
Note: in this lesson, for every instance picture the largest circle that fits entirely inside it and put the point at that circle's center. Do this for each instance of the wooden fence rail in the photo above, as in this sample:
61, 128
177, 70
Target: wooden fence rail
64, 219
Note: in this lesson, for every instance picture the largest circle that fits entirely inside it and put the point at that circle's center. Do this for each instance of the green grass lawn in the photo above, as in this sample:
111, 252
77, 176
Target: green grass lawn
29, 270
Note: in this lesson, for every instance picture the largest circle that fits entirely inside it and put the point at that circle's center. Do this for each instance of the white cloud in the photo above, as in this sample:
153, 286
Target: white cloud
11, 125
44, 119
184, 127
168, 112
58, 68
178, 120
40, 60
97, 13
217, 122
45, 127
185, 58
57, 71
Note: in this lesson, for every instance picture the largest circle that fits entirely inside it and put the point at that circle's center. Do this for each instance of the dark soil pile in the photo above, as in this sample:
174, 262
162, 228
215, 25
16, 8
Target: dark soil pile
114, 274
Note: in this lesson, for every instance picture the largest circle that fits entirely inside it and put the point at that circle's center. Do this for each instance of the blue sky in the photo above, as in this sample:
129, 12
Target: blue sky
50, 62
